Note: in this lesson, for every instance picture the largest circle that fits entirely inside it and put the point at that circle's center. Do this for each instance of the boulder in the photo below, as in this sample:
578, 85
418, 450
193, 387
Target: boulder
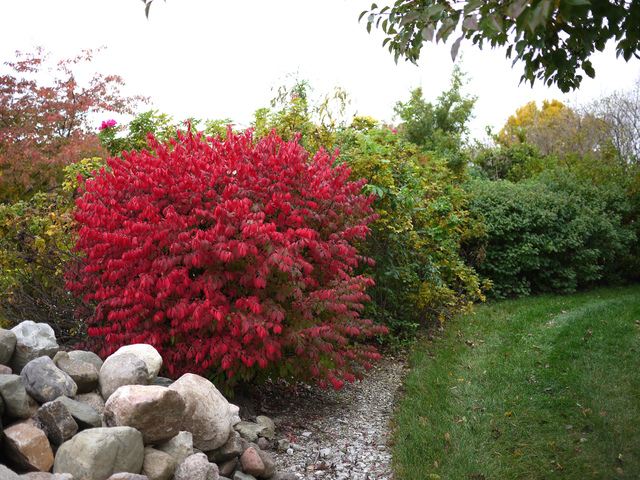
252, 463
179, 447
56, 421
84, 414
209, 417
158, 465
92, 399
7, 345
87, 357
120, 370
148, 354
157, 412
231, 449
83, 373
45, 476
98, 453
33, 340
46, 382
196, 467
17, 402
27, 447
6, 474
269, 430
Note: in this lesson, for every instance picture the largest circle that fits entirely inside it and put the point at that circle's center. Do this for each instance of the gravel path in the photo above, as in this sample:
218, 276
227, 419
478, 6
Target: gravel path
338, 435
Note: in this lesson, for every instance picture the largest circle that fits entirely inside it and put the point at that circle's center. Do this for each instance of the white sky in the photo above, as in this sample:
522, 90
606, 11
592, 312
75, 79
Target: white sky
217, 59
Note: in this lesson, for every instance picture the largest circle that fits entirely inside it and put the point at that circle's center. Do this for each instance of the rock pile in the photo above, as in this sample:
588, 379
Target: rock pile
69, 416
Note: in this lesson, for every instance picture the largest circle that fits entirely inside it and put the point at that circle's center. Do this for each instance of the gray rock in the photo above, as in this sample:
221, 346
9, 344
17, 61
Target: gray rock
6, 474
227, 468
27, 446
263, 443
196, 467
92, 399
98, 453
179, 447
208, 416
84, 414
83, 373
269, 431
87, 357
7, 345
56, 421
157, 412
46, 382
162, 381
120, 370
33, 340
249, 431
148, 354
231, 449
17, 402
242, 476
45, 476
127, 476
158, 465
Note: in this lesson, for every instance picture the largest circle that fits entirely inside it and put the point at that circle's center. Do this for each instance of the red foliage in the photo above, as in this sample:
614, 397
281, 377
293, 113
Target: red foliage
46, 125
229, 256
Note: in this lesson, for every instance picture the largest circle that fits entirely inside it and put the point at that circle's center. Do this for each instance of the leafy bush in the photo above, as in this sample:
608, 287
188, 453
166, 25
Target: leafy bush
232, 257
420, 275
554, 233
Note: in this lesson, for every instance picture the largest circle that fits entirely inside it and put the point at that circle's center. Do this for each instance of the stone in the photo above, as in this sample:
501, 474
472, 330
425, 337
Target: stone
263, 443
158, 465
87, 357
120, 370
252, 463
269, 431
148, 354
92, 399
208, 415
46, 382
196, 467
268, 461
4, 370
157, 412
179, 447
98, 453
7, 345
231, 449
56, 422
84, 414
242, 476
6, 474
45, 476
127, 476
33, 340
227, 468
249, 431
17, 402
162, 381
27, 447
83, 373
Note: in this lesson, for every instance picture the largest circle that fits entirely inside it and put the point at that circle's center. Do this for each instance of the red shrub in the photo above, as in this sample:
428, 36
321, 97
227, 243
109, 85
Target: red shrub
227, 256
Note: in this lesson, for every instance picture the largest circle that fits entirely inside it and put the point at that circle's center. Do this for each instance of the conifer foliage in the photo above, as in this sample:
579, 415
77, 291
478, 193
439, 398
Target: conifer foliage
232, 257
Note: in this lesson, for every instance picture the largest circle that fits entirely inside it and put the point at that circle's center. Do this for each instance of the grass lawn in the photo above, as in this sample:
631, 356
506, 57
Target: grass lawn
538, 388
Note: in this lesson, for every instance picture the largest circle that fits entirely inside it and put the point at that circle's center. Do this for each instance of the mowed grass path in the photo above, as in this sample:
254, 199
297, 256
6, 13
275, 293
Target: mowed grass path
538, 388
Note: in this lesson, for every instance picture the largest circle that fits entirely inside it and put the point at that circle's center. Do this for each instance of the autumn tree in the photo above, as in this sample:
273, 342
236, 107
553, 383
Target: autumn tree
46, 118
553, 38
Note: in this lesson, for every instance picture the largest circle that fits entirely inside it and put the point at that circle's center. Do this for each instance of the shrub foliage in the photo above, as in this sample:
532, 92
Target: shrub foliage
232, 257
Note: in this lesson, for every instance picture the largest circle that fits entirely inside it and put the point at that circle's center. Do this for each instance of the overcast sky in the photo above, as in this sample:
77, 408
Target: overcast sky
218, 59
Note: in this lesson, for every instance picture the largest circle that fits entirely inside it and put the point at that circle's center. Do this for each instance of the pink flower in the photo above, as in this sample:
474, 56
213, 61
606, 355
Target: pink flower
108, 124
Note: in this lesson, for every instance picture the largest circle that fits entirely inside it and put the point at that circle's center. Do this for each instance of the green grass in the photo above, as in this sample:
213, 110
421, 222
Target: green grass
538, 388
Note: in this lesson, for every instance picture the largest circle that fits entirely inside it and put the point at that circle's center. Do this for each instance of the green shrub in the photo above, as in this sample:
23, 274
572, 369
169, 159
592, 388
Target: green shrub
556, 232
